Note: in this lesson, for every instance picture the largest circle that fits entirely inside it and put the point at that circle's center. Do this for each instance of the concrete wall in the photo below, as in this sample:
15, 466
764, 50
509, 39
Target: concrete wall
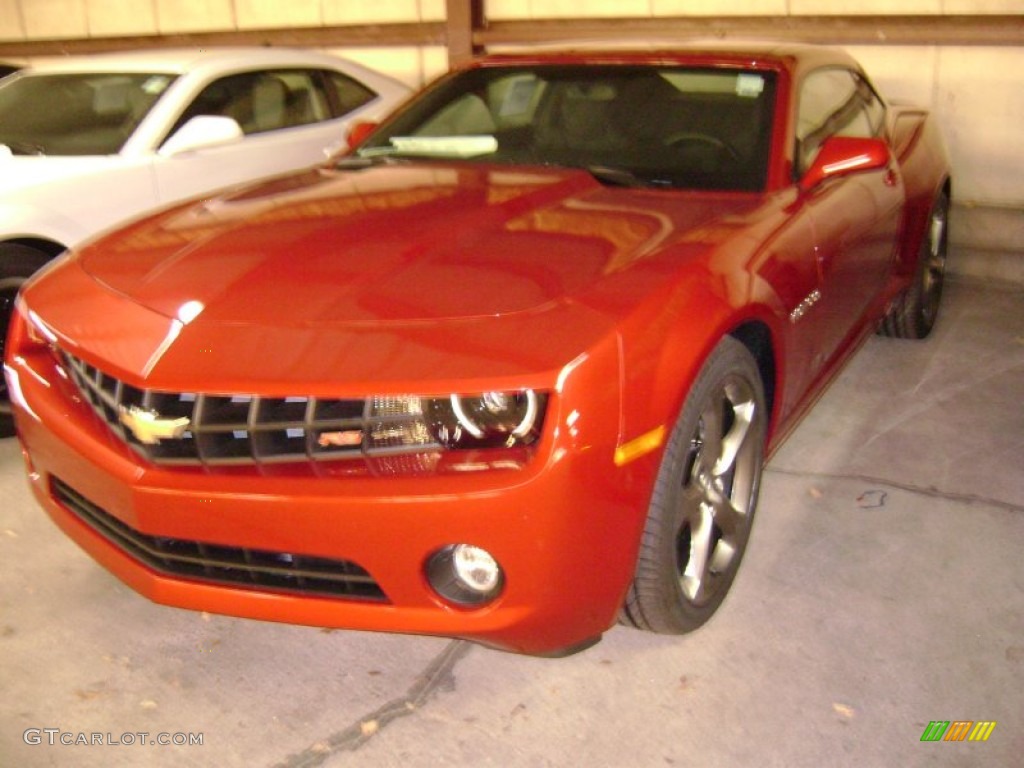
975, 90
74, 19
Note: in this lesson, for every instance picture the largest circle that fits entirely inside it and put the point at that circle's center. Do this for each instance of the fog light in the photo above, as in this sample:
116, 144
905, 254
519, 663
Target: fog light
465, 574
476, 568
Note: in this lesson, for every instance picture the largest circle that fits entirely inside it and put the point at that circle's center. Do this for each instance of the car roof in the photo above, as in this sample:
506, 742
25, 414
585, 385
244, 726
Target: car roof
765, 52
182, 60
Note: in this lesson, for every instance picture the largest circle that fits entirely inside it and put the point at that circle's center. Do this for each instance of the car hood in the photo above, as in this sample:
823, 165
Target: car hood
395, 244
403, 277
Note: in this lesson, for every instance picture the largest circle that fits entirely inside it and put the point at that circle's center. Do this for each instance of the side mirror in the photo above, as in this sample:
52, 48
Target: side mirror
843, 155
202, 132
359, 131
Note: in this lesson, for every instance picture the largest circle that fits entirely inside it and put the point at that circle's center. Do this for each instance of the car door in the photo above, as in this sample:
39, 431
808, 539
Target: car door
854, 218
290, 118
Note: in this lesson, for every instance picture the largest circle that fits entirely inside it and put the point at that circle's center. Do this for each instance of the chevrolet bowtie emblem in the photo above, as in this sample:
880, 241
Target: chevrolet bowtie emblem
148, 427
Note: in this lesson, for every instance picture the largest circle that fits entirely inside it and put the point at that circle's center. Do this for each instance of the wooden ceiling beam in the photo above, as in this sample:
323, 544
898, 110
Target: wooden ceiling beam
980, 29
414, 34
467, 33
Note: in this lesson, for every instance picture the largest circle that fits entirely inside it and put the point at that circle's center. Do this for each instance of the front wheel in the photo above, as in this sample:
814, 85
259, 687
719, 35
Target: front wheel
17, 264
704, 498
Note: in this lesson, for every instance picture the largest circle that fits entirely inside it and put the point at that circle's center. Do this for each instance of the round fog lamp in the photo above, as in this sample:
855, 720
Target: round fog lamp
475, 568
465, 574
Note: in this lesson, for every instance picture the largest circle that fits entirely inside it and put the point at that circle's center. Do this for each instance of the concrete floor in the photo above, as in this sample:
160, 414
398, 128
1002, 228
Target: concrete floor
883, 589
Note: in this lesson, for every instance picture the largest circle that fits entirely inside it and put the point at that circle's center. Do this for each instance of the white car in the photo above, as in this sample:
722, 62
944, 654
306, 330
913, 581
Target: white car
89, 141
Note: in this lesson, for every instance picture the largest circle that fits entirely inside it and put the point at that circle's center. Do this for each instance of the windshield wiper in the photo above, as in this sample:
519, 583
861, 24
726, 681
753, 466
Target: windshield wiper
358, 162
619, 177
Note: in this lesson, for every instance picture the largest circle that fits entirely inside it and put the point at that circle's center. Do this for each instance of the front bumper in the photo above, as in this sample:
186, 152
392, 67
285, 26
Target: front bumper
565, 528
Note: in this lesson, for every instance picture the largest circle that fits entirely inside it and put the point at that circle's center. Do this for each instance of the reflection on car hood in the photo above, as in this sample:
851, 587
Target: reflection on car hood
393, 244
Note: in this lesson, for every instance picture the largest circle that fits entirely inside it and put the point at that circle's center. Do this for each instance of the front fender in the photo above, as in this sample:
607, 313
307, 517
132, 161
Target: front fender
665, 345
22, 221
69, 205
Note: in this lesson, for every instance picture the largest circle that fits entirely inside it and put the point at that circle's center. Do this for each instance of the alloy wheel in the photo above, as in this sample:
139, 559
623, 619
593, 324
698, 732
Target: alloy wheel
719, 487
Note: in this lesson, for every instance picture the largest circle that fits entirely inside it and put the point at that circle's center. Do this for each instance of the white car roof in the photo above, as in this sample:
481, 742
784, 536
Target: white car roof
182, 60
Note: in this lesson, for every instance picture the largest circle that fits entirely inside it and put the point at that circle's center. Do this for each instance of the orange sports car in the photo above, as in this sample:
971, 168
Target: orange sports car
509, 369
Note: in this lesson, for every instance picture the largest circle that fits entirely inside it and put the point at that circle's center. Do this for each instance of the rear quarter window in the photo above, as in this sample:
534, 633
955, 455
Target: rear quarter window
348, 94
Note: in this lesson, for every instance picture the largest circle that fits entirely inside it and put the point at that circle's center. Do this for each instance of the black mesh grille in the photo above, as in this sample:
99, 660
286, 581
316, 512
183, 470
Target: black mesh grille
241, 429
253, 568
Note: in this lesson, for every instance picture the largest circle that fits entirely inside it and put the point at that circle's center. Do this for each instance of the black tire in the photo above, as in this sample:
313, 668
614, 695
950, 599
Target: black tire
704, 498
913, 314
17, 264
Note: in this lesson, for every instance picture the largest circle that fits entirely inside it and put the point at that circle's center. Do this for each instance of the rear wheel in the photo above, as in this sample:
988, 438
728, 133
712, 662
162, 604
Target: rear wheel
704, 498
914, 313
17, 263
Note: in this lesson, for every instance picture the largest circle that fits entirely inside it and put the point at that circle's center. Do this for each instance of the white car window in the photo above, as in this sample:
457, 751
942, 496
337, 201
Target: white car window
76, 114
348, 94
275, 99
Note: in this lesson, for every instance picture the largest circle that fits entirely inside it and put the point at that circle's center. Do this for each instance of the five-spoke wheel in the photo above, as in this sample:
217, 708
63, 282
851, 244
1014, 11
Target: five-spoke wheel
704, 499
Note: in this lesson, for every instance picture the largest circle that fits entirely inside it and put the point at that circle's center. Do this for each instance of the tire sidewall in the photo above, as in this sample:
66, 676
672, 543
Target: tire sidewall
17, 264
924, 318
676, 612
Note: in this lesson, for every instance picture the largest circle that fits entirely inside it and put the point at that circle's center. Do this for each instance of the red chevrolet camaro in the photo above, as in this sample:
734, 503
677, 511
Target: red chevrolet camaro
507, 371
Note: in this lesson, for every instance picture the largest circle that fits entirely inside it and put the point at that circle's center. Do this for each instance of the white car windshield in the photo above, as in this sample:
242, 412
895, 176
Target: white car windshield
75, 114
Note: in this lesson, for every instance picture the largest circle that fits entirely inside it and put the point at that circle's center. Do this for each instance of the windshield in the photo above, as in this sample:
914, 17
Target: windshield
627, 124
75, 114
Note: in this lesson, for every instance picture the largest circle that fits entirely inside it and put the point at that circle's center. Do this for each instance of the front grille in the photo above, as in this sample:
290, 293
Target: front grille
241, 429
235, 566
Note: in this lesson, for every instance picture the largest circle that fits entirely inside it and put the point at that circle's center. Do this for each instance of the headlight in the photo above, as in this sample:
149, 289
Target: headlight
484, 420
488, 419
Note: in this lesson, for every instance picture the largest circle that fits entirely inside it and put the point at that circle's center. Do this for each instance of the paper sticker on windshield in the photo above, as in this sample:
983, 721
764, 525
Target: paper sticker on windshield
155, 85
749, 86
445, 146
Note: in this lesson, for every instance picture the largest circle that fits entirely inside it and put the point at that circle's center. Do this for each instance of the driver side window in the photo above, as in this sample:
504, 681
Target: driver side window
834, 102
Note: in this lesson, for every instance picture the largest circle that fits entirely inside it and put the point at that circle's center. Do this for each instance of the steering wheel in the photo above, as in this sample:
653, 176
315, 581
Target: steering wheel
679, 139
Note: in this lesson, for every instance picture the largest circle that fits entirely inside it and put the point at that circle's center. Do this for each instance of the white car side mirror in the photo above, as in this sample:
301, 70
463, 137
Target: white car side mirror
201, 132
